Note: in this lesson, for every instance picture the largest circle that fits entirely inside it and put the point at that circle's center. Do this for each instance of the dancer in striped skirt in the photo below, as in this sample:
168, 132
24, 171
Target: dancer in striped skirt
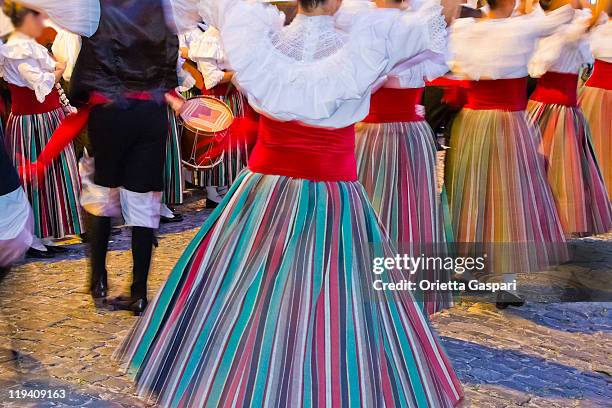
272, 304
596, 97
396, 160
573, 173
499, 199
36, 112
207, 52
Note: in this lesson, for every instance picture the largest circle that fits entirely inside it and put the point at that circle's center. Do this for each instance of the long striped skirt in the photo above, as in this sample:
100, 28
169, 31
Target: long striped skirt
499, 198
272, 305
236, 155
396, 164
572, 170
596, 103
55, 199
173, 169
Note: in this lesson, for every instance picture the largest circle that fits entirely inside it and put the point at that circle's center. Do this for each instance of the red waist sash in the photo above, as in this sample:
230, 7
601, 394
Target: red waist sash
24, 102
395, 105
499, 94
295, 150
557, 88
601, 76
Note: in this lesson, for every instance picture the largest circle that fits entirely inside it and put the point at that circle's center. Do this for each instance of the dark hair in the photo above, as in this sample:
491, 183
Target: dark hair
16, 12
310, 4
492, 4
545, 4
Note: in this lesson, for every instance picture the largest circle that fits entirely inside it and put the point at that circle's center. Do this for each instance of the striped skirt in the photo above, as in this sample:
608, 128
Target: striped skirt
54, 200
573, 173
236, 155
173, 169
499, 198
596, 103
396, 164
272, 305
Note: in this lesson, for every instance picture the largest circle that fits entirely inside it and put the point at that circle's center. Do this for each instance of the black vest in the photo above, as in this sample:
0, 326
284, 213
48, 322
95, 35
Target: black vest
133, 50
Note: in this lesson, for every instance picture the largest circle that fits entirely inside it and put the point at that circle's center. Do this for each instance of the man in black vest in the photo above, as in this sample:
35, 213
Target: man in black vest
127, 66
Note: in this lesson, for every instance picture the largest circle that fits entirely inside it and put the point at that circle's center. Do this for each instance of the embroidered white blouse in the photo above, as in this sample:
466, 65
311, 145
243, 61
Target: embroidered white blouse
601, 39
314, 70
24, 62
566, 50
500, 48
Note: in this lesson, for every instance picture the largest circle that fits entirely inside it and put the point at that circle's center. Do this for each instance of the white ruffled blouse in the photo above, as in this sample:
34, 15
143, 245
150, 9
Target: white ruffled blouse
601, 40
206, 51
566, 50
312, 70
25, 63
500, 48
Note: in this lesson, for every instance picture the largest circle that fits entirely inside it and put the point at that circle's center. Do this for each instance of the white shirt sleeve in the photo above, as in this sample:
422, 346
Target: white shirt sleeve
41, 82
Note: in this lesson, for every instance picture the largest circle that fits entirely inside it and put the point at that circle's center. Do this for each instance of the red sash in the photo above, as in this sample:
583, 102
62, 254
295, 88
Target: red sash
601, 76
295, 150
557, 88
395, 105
499, 94
24, 102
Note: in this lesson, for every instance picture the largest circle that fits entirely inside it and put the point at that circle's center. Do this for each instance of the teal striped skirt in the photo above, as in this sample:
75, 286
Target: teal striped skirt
272, 304
55, 199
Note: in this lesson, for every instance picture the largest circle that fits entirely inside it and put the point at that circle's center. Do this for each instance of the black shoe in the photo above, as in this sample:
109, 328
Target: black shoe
166, 220
56, 249
211, 204
38, 254
505, 299
99, 290
136, 306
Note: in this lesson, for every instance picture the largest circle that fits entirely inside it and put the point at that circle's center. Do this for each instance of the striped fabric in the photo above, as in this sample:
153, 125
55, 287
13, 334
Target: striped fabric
55, 201
573, 173
498, 193
173, 169
236, 157
596, 103
272, 305
396, 164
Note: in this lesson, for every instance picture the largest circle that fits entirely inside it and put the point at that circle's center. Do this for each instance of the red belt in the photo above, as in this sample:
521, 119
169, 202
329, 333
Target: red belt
557, 88
24, 102
395, 105
295, 150
455, 91
601, 76
70, 127
499, 94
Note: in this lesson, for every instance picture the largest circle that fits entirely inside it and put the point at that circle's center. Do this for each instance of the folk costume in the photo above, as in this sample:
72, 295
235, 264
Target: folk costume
499, 198
122, 74
572, 170
272, 303
596, 97
36, 112
396, 160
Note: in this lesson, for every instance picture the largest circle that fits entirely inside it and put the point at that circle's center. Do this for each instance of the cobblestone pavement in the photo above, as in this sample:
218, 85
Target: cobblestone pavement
541, 355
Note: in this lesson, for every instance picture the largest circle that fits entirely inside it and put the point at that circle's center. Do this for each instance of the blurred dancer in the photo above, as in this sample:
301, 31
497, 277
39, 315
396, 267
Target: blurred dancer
573, 173
205, 49
258, 309
36, 111
596, 96
396, 157
499, 199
